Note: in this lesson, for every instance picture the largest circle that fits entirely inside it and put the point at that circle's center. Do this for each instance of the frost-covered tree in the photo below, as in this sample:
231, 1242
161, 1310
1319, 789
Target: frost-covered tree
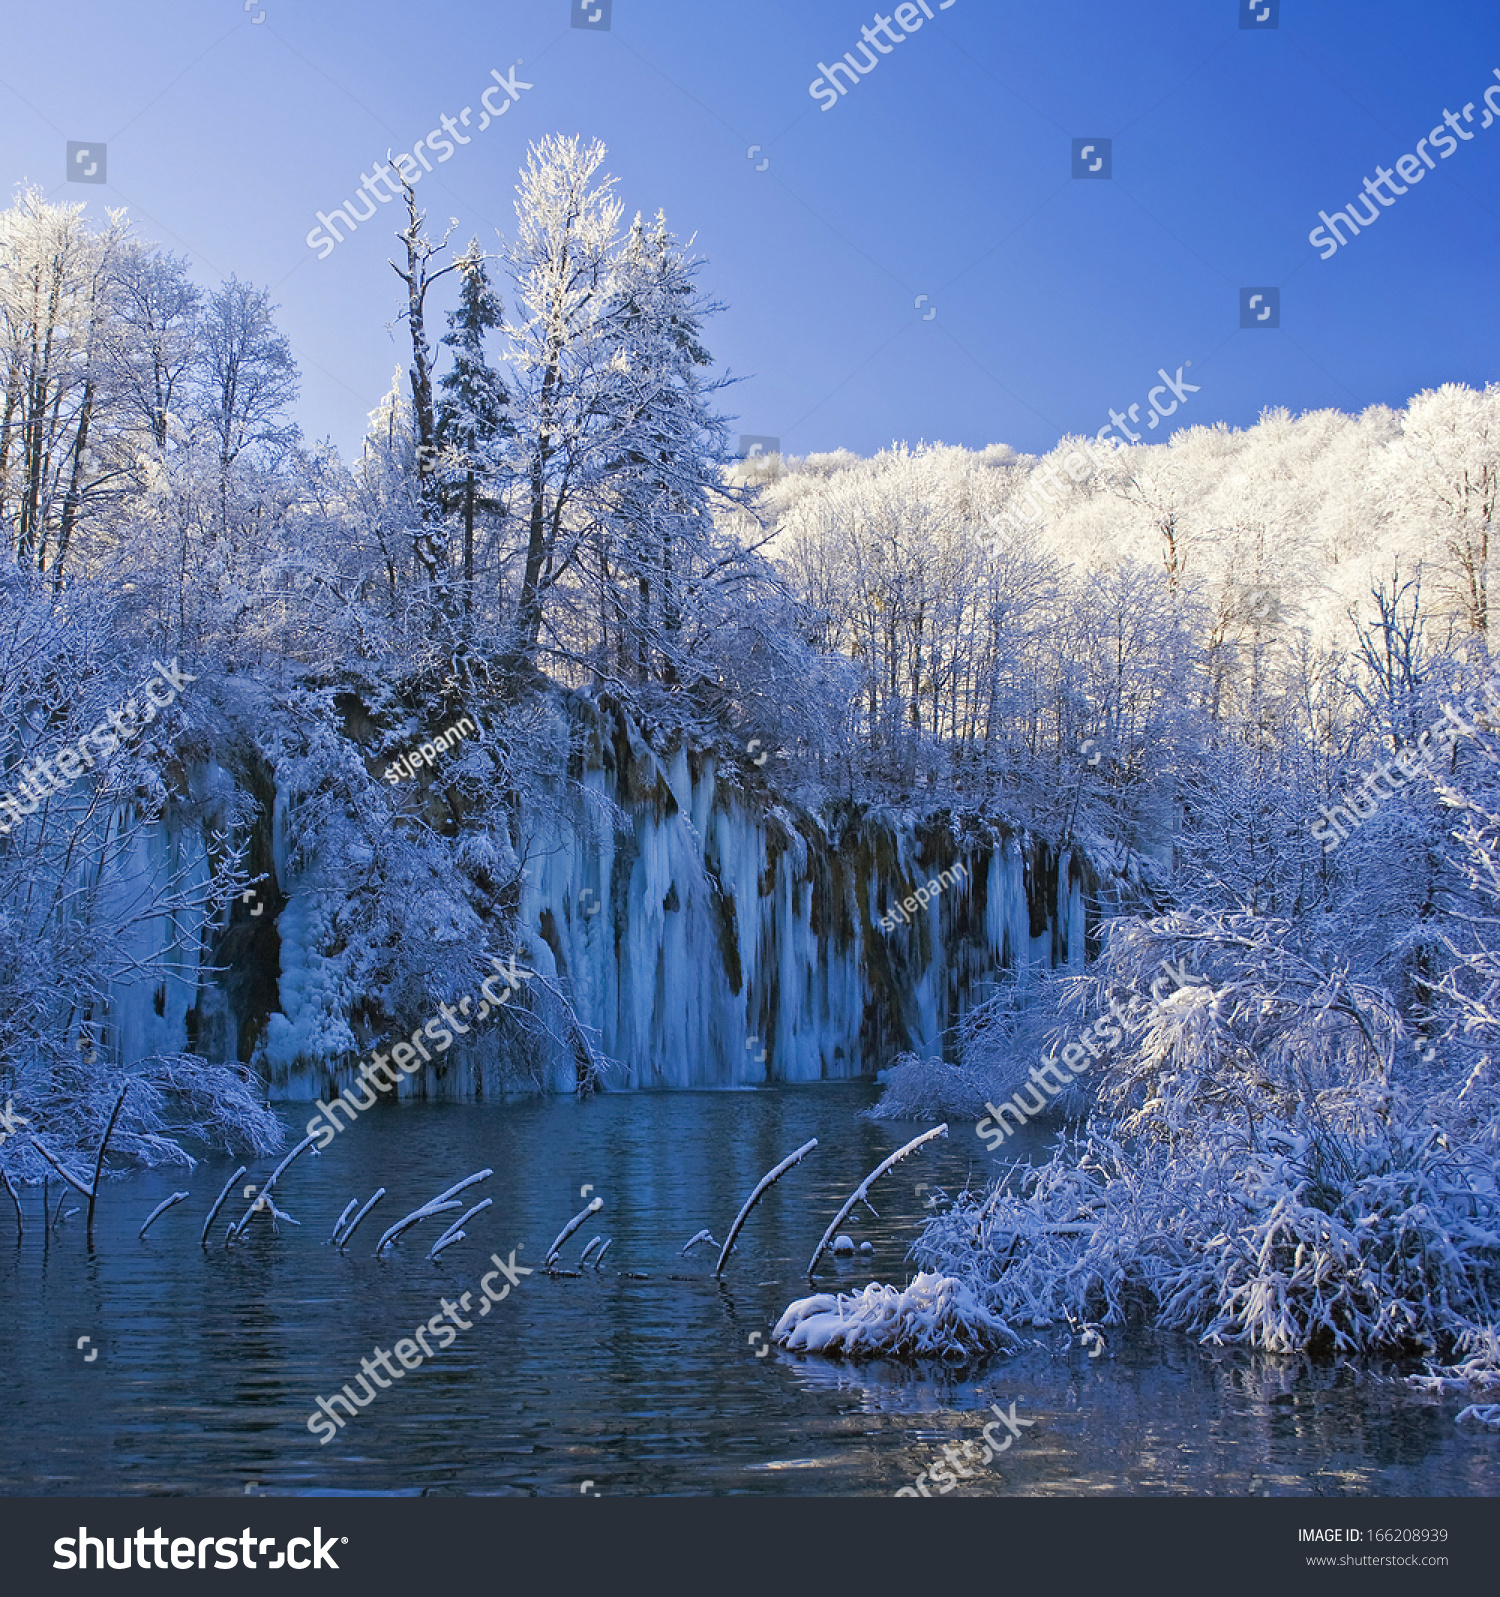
159, 310
472, 421
657, 565
113, 880
561, 262
246, 379
56, 306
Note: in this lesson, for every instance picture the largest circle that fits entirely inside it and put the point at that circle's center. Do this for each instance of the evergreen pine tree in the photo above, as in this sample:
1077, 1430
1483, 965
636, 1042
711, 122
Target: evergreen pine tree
473, 415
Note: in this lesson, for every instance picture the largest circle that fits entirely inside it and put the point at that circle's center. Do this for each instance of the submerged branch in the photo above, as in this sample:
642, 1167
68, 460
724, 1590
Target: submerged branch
219, 1204
857, 1196
438, 1205
768, 1180
161, 1208
263, 1197
343, 1241
595, 1205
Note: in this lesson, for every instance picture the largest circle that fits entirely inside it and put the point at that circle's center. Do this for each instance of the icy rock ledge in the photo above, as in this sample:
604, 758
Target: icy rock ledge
936, 1316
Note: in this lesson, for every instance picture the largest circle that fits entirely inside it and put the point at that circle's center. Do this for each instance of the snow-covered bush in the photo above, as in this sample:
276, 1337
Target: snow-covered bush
935, 1316
1477, 1371
932, 1089
1254, 1174
172, 1104
111, 886
1000, 1039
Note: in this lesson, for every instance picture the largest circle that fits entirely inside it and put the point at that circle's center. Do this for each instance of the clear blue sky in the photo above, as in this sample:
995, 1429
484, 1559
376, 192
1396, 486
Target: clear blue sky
945, 172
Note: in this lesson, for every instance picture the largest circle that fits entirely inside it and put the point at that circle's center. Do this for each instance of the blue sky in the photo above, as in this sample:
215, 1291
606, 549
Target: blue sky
946, 171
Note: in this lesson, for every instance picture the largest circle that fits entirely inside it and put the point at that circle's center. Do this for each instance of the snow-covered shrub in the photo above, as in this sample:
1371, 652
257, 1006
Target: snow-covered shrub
935, 1316
1000, 1039
1254, 1175
1478, 1371
931, 1089
400, 895
171, 1100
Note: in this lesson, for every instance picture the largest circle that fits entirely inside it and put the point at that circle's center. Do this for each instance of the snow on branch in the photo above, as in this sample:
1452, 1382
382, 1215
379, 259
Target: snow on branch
161, 1208
263, 1198
438, 1205
219, 1204
594, 1206
858, 1195
767, 1181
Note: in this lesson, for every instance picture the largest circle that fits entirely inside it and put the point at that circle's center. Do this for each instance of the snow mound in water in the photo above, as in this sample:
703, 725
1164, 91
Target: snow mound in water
935, 1315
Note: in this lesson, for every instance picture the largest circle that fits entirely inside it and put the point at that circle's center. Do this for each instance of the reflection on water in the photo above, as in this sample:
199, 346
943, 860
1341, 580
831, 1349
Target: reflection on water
641, 1378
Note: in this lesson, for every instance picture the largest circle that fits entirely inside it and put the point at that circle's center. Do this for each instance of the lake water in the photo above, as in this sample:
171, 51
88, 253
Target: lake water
641, 1378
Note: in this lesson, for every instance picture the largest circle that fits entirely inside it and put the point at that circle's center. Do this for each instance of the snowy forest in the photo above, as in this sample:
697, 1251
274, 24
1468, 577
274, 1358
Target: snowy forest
731, 714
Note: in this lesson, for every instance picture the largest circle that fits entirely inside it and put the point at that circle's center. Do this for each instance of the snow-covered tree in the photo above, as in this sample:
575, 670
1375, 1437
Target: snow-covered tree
472, 422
